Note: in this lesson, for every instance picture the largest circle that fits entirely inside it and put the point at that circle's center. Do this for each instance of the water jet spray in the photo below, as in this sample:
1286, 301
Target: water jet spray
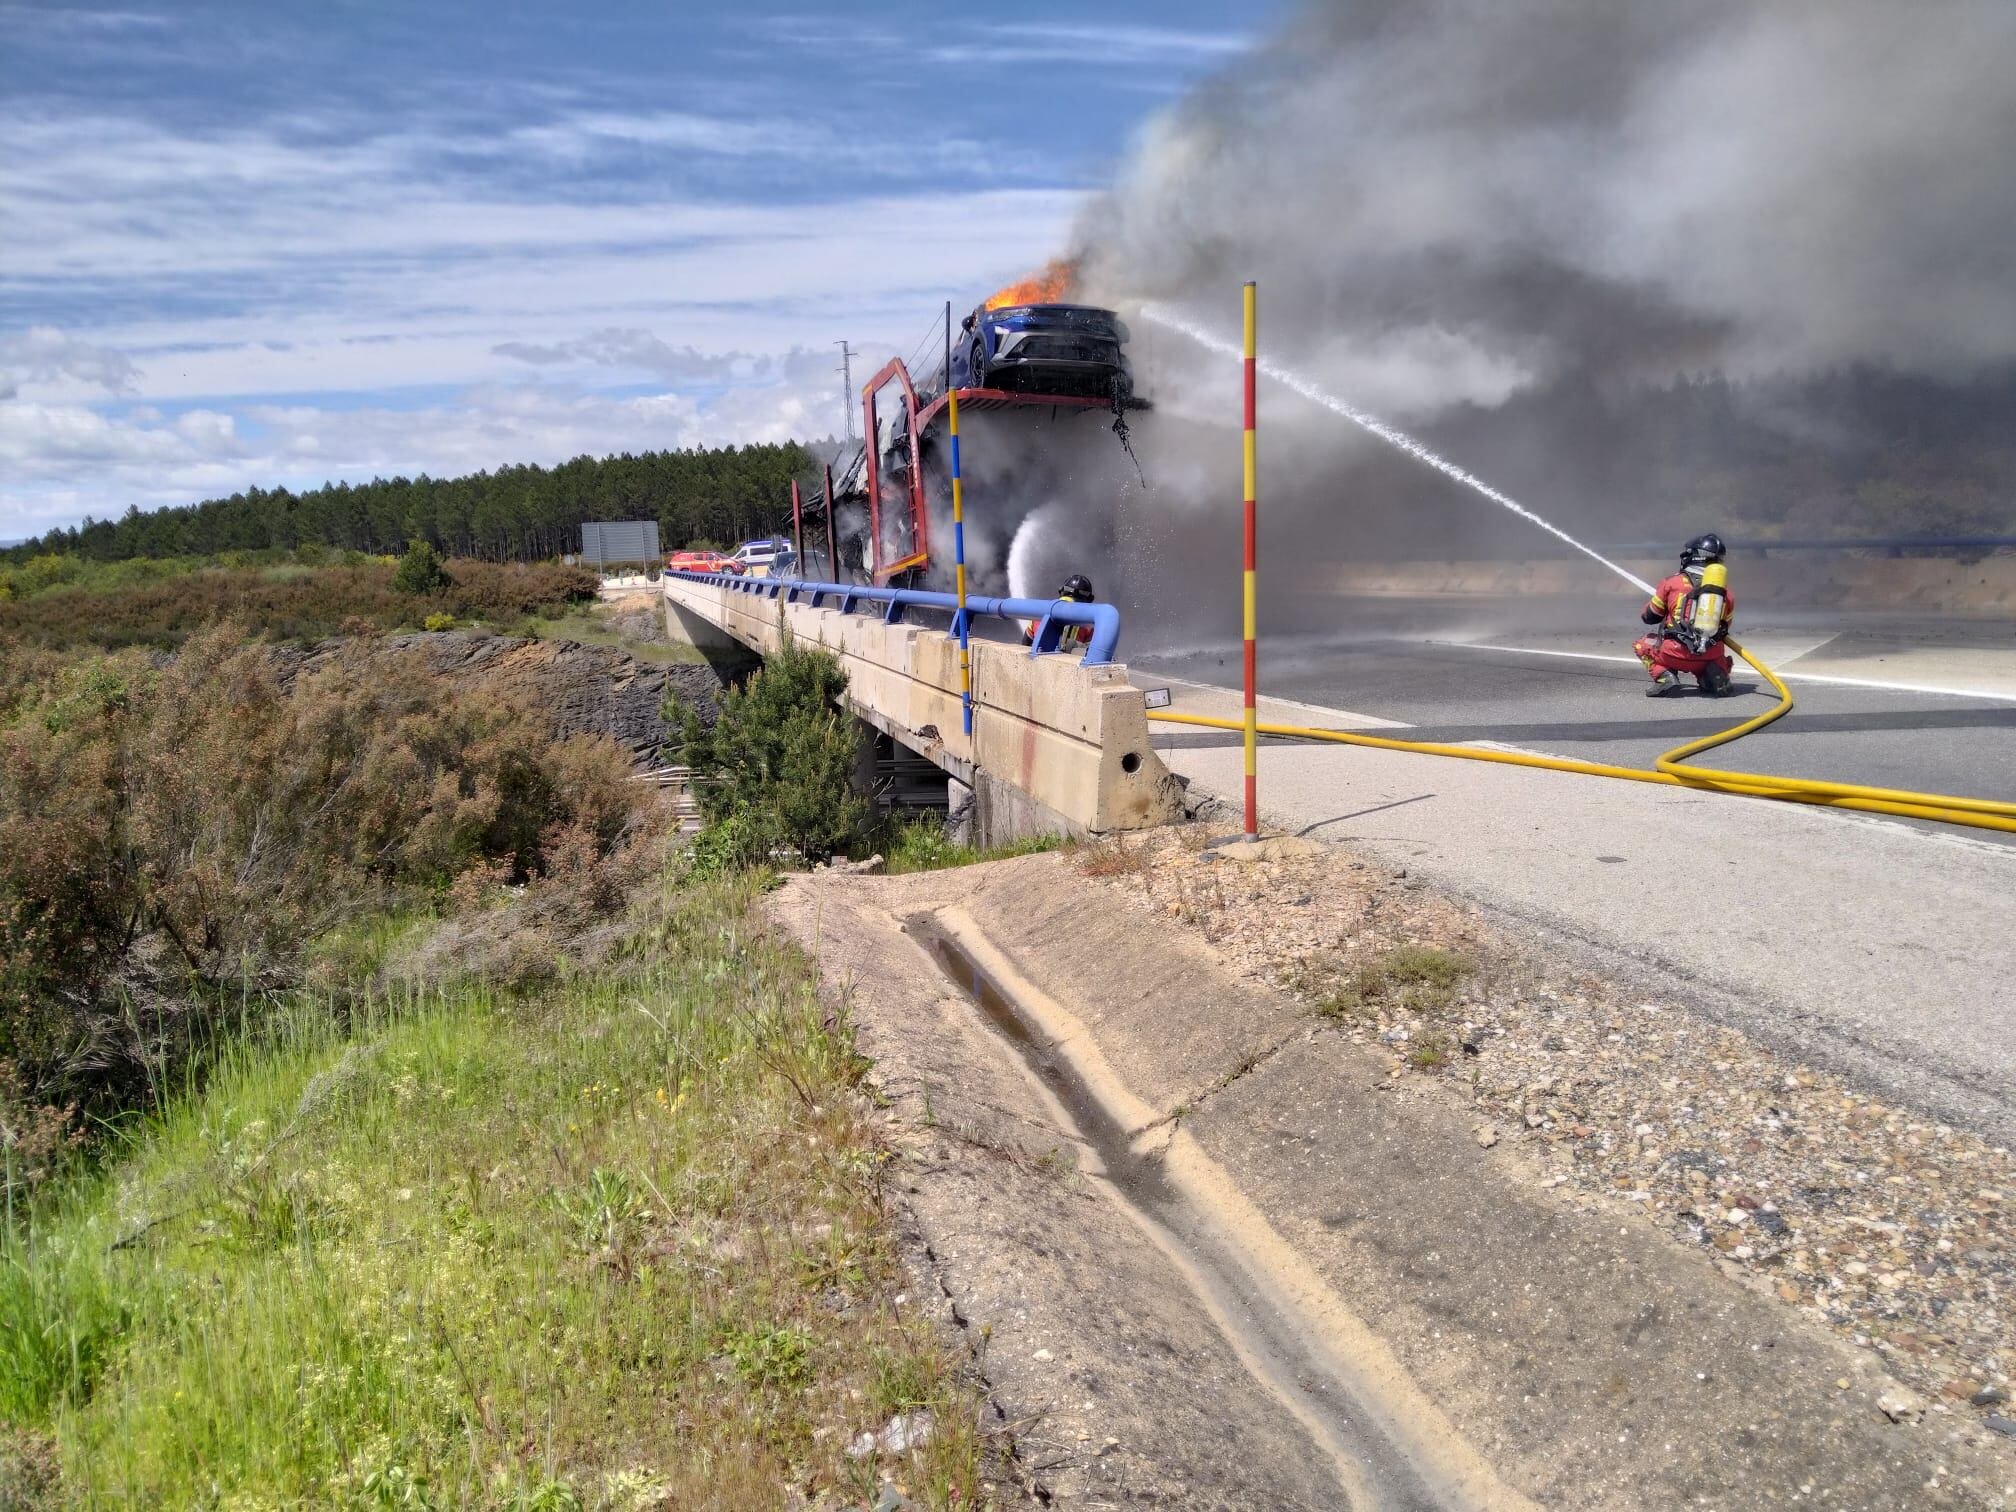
1391, 435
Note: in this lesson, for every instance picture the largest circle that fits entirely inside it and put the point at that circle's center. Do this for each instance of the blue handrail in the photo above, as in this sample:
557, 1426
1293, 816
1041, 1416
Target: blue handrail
1051, 616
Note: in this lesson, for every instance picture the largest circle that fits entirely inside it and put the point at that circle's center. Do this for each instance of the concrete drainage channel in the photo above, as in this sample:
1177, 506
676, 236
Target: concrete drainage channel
1388, 1450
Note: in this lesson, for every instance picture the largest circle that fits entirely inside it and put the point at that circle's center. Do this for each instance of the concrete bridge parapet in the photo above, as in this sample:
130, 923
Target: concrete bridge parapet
1056, 745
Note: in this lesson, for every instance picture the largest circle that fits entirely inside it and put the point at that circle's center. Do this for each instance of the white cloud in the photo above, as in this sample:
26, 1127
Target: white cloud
416, 309
239, 268
1057, 44
1093, 45
78, 19
43, 354
65, 461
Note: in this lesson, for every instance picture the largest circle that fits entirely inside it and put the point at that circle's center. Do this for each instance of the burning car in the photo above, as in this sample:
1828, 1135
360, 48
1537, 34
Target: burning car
1045, 349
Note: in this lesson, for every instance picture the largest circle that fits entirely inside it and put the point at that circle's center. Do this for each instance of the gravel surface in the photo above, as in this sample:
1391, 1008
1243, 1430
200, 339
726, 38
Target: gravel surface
1893, 1228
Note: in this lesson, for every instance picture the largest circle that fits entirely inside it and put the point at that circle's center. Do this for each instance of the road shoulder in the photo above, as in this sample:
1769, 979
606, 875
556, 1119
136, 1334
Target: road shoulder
1574, 1347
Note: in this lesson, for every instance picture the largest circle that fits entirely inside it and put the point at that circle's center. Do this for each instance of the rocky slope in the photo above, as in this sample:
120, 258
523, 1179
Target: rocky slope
599, 689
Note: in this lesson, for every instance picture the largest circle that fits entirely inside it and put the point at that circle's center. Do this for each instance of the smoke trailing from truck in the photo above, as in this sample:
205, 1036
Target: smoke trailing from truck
1656, 268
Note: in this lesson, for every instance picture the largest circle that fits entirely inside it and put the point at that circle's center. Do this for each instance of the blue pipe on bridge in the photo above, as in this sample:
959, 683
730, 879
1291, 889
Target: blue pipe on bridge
1051, 615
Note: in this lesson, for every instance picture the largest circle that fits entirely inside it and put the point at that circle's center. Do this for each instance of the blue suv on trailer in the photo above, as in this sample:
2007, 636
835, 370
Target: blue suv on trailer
1044, 349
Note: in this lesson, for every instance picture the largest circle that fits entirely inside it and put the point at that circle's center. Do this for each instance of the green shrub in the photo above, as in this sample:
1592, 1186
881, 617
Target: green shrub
160, 602
420, 571
781, 756
1408, 978
38, 574
170, 838
512, 589
736, 840
438, 622
918, 843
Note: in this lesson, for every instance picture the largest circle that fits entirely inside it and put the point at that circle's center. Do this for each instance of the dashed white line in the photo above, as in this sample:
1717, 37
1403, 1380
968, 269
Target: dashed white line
1807, 677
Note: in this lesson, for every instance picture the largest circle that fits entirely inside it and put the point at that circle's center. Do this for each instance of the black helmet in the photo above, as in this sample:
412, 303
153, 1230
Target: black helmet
1077, 588
1702, 550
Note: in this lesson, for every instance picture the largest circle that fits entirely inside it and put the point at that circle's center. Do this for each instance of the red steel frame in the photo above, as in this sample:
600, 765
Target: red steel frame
881, 572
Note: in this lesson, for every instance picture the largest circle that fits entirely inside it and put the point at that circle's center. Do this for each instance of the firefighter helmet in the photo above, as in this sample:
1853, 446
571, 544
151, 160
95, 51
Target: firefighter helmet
1077, 588
1702, 550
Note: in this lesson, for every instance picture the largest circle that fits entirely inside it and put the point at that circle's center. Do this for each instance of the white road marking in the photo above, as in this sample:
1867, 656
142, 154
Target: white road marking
1360, 721
1811, 677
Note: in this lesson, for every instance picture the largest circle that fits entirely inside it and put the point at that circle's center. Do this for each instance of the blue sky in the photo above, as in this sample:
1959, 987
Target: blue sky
282, 242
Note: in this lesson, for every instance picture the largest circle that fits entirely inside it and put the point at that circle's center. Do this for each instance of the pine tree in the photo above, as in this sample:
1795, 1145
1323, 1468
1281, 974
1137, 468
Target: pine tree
782, 756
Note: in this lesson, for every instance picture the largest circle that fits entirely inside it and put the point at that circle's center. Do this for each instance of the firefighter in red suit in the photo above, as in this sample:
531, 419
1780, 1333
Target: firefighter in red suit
1077, 589
1674, 648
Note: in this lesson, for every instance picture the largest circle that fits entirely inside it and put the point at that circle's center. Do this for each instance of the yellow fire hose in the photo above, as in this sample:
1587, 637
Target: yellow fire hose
1980, 813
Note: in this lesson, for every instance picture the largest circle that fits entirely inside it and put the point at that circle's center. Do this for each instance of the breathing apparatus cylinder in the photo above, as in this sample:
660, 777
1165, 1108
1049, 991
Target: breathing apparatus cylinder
1707, 608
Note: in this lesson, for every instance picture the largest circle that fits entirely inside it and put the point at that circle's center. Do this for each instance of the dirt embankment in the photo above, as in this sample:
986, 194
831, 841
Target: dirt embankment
583, 689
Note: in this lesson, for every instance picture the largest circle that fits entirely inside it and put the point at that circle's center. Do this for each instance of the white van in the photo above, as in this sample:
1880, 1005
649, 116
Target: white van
772, 557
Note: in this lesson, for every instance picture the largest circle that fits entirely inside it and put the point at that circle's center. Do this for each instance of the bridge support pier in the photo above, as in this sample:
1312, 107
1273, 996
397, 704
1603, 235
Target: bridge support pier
729, 657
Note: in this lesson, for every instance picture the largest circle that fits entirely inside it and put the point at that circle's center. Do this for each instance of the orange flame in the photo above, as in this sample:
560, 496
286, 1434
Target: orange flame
1046, 287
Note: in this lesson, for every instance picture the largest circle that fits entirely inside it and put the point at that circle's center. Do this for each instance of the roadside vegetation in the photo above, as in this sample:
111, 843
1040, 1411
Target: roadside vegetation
396, 1114
918, 843
619, 1243
67, 601
779, 764
172, 837
638, 632
1416, 980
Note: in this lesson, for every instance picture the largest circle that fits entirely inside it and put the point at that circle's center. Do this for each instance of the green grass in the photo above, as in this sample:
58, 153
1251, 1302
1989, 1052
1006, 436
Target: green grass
1418, 979
919, 844
591, 627
623, 1245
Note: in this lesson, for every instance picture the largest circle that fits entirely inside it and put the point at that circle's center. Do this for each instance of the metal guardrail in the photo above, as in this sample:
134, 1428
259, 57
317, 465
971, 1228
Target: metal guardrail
1051, 616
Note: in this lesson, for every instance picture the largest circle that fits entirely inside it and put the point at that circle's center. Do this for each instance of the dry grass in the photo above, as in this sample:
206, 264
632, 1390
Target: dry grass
1115, 858
170, 837
641, 633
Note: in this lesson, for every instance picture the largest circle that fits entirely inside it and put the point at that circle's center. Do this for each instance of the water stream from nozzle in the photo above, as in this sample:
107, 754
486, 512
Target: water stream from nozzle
1390, 435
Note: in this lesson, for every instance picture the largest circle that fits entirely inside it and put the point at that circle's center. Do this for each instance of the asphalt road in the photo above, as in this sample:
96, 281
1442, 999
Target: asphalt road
1881, 948
1466, 671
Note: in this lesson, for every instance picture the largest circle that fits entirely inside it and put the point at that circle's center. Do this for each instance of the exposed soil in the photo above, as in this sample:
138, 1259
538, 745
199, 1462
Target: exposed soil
583, 689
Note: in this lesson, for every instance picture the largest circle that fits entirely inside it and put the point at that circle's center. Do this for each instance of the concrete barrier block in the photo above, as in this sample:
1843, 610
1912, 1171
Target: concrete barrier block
1056, 744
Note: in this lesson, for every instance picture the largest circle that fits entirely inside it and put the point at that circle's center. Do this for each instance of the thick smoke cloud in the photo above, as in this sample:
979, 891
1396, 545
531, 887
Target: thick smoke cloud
1448, 201
1652, 268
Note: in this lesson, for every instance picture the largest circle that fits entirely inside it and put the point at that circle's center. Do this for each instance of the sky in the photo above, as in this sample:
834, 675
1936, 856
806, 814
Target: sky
284, 242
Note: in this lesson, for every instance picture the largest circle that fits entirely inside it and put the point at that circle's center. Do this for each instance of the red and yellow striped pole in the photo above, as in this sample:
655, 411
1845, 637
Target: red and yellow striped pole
1250, 364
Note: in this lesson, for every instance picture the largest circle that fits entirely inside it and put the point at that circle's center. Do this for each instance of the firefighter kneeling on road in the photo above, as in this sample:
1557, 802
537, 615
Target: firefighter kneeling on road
1692, 610
1077, 589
